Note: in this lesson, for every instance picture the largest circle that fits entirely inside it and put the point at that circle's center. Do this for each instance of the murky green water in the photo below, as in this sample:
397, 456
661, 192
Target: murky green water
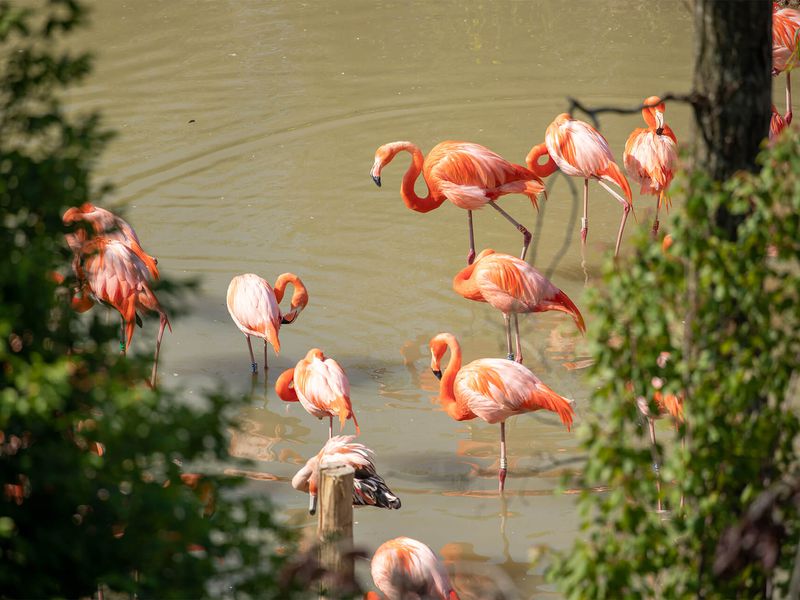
247, 131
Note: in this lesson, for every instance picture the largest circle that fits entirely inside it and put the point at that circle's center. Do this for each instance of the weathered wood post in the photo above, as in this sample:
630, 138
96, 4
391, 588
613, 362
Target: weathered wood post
335, 528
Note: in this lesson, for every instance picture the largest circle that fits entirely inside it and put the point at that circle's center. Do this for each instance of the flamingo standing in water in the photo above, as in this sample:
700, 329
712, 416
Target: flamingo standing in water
651, 154
785, 31
369, 488
321, 386
579, 150
469, 175
114, 274
493, 389
253, 306
405, 569
512, 286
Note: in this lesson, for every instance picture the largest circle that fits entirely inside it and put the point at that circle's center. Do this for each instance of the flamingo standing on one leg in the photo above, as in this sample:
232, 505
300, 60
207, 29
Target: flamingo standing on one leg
651, 154
579, 150
253, 306
113, 274
369, 488
321, 386
512, 286
469, 175
493, 389
404, 568
785, 31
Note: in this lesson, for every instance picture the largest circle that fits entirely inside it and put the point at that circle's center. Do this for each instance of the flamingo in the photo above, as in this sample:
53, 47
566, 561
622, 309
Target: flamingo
493, 389
108, 225
406, 569
469, 175
114, 274
321, 386
579, 150
776, 124
253, 306
651, 154
512, 286
369, 488
785, 27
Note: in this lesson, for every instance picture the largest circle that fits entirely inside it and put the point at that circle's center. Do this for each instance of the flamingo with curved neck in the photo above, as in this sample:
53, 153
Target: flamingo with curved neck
469, 175
651, 154
492, 389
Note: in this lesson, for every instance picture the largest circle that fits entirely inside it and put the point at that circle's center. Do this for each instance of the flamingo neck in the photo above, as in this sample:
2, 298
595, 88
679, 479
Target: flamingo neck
464, 285
457, 410
649, 117
284, 387
299, 297
410, 197
532, 160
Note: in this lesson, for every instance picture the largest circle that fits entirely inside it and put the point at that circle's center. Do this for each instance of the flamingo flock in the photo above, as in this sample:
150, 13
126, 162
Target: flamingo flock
112, 268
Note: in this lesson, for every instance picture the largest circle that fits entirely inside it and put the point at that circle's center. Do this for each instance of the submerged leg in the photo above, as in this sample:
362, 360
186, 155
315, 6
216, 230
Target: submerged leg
501, 476
253, 365
585, 219
507, 319
518, 356
266, 365
526, 235
788, 116
471, 254
651, 422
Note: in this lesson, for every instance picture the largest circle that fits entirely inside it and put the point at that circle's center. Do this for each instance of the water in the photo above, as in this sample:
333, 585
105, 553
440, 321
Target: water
246, 135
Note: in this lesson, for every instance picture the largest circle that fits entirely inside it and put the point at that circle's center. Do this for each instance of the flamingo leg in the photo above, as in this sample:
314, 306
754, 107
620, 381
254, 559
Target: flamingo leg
788, 116
330, 426
471, 254
122, 338
651, 422
266, 365
518, 356
625, 210
158, 349
585, 219
526, 235
501, 475
253, 365
658, 206
507, 319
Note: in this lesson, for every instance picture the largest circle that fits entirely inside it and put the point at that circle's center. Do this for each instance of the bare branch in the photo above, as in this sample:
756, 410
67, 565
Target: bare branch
694, 99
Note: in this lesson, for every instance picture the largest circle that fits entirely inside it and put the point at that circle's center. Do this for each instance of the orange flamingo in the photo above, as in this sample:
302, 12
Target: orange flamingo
369, 488
512, 286
321, 386
405, 569
785, 31
114, 274
579, 150
651, 154
105, 224
469, 175
493, 389
253, 306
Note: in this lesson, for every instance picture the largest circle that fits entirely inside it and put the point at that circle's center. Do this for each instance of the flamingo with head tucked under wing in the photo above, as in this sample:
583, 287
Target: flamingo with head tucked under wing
493, 389
321, 386
512, 286
651, 154
406, 569
579, 150
253, 306
469, 175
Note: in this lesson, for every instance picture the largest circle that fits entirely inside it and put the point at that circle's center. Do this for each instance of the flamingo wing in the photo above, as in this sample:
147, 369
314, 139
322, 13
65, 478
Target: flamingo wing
115, 273
577, 148
322, 388
511, 284
252, 306
406, 568
785, 26
650, 159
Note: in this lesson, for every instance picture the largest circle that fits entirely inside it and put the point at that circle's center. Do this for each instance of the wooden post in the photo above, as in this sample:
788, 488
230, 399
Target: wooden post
335, 528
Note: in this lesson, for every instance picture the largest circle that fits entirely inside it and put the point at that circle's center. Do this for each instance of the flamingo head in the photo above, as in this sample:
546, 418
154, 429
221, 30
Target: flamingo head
76, 213
315, 353
653, 113
439, 345
384, 155
305, 480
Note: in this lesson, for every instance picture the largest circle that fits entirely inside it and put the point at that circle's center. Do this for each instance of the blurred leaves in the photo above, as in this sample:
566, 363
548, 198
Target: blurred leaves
727, 310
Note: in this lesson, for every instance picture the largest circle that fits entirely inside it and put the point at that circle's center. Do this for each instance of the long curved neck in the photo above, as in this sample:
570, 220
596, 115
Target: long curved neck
532, 160
284, 386
465, 286
447, 396
410, 197
299, 297
649, 117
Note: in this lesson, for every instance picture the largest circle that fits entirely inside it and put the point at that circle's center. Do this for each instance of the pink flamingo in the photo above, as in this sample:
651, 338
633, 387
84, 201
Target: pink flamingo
253, 306
579, 150
469, 175
785, 28
114, 274
651, 154
512, 286
493, 389
369, 488
406, 569
321, 386
776, 124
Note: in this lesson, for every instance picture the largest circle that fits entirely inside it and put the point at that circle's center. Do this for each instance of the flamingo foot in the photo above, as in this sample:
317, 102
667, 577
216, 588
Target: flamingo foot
655, 228
501, 476
253, 368
471, 256
518, 358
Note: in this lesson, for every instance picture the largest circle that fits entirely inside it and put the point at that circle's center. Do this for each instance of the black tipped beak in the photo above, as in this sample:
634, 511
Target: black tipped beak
377, 180
437, 374
660, 131
312, 504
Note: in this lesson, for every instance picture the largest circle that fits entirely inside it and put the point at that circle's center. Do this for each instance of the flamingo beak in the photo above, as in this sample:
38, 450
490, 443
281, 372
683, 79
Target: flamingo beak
377, 180
437, 374
659, 122
312, 504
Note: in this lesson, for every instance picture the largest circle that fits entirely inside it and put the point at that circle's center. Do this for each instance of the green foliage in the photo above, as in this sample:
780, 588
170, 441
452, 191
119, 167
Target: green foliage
70, 518
727, 309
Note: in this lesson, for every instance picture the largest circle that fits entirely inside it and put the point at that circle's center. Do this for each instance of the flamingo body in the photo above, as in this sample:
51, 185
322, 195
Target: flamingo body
369, 488
406, 569
785, 26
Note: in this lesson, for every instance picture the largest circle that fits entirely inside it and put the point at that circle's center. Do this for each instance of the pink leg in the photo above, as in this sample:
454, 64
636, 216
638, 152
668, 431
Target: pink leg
651, 422
625, 210
158, 349
330, 426
266, 365
253, 365
518, 356
788, 116
526, 235
658, 206
501, 476
507, 319
471, 255
585, 220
